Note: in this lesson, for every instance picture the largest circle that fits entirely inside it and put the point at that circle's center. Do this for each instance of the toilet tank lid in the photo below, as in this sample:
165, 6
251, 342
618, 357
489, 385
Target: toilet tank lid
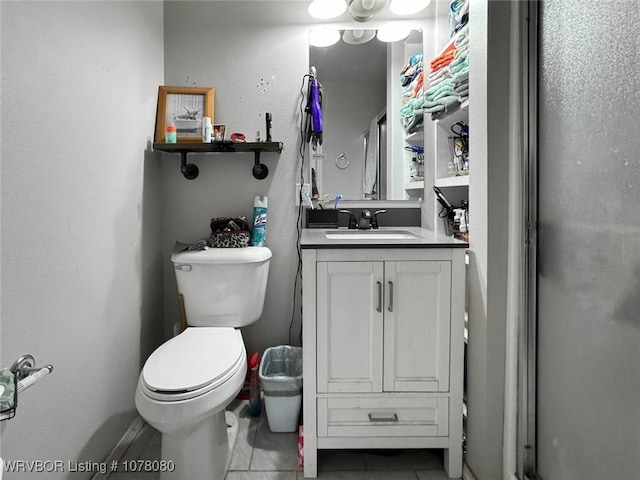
223, 255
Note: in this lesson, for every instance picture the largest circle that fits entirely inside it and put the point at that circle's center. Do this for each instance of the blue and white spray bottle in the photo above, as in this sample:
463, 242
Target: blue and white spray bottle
259, 230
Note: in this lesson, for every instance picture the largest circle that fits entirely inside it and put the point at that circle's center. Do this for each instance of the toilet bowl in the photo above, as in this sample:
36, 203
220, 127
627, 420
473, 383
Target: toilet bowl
182, 392
186, 384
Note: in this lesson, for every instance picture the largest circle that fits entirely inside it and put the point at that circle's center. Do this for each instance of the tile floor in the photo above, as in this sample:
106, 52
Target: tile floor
262, 455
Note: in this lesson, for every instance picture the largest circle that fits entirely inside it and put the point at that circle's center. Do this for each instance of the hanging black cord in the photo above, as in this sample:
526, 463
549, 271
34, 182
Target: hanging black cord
302, 149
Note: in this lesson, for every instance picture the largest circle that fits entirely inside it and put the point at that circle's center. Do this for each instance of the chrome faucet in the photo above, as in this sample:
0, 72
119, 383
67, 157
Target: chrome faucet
374, 223
367, 220
352, 219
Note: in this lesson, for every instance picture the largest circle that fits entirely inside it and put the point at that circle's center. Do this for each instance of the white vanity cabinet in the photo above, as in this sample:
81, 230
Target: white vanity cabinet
383, 350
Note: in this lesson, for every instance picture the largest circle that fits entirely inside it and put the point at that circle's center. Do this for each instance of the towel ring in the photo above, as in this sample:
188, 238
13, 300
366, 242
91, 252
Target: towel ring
342, 161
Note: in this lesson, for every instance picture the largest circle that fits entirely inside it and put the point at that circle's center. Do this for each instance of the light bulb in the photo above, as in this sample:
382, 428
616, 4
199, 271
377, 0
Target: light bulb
323, 37
326, 9
408, 7
393, 34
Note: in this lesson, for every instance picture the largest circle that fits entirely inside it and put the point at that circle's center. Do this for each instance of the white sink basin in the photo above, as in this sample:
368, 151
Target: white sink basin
369, 235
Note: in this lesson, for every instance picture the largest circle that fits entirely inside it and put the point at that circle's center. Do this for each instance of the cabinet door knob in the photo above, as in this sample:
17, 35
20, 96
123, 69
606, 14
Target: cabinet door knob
390, 296
379, 307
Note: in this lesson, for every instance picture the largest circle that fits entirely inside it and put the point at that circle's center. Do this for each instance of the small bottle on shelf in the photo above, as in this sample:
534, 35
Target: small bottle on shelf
451, 169
207, 130
170, 133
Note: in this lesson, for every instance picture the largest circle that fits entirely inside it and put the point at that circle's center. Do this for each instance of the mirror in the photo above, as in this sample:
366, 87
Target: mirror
362, 155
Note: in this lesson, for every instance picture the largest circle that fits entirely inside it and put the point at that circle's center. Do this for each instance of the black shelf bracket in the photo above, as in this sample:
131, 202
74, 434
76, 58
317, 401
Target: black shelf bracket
189, 170
260, 170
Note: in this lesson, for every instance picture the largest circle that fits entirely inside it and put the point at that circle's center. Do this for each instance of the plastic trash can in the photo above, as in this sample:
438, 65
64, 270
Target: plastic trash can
281, 378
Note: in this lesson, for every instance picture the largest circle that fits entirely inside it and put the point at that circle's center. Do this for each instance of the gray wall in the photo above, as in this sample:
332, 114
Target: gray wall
81, 276
344, 131
256, 65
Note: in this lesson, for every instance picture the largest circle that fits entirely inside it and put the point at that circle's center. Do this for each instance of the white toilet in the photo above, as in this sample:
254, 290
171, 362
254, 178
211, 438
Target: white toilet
187, 383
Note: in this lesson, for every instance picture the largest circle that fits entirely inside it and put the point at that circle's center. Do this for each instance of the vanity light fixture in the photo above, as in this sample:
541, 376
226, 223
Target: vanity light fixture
358, 37
323, 36
325, 9
363, 10
393, 33
408, 7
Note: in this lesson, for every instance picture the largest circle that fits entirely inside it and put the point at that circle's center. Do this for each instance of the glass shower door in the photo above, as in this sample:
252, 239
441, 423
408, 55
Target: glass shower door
588, 278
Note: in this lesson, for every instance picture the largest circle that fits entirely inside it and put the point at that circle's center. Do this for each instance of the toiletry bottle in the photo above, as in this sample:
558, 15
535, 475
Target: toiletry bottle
207, 129
259, 231
255, 405
170, 133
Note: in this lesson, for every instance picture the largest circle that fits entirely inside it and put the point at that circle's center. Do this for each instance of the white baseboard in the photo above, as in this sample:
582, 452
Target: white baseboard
130, 436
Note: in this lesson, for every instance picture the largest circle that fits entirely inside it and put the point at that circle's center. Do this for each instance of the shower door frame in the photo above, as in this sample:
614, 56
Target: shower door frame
526, 448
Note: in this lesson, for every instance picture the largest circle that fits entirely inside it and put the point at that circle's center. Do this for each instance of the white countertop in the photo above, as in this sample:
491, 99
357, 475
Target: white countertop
316, 238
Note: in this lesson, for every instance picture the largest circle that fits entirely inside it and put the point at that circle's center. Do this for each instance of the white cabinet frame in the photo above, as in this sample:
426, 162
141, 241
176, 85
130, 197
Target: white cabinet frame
340, 417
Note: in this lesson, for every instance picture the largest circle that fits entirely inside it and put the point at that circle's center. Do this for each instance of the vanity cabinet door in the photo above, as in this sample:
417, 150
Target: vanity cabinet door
350, 297
417, 326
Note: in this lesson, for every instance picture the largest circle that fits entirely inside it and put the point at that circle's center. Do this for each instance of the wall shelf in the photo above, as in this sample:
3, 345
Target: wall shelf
190, 171
458, 181
460, 113
414, 185
415, 138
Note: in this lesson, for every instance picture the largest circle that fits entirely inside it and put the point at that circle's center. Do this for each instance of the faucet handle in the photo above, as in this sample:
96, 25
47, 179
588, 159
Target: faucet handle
352, 218
374, 223
365, 220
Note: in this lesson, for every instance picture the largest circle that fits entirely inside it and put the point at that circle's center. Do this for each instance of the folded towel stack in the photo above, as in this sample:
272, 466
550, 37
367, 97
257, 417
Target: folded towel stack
449, 77
412, 80
458, 14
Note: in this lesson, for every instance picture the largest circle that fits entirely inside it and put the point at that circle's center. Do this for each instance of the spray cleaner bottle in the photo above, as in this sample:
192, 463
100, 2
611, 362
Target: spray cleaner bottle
259, 231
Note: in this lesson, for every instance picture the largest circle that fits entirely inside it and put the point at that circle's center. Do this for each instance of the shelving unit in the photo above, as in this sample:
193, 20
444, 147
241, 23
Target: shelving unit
437, 155
413, 186
190, 171
443, 152
455, 187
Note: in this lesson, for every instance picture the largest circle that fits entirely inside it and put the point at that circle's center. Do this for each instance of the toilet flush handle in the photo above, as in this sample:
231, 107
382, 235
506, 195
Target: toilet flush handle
185, 267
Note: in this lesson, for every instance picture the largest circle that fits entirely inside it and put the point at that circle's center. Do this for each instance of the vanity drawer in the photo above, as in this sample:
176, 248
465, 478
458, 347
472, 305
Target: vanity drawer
383, 415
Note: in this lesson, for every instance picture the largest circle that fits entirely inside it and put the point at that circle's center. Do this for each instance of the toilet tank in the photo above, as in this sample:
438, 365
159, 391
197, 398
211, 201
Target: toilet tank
222, 287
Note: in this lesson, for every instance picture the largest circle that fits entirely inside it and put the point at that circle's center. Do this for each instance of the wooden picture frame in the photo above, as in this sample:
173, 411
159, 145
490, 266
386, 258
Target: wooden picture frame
184, 107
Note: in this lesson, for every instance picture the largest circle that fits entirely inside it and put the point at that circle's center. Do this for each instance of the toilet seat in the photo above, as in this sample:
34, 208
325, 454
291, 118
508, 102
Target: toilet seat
198, 360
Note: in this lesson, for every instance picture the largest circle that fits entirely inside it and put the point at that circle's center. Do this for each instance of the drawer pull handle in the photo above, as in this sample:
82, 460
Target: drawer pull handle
390, 296
383, 417
379, 307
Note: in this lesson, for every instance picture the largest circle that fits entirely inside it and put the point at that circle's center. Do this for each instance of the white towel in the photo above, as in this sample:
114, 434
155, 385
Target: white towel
371, 158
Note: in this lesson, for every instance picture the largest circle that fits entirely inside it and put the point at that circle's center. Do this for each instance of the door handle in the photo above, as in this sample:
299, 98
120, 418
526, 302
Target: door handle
390, 308
383, 417
379, 307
